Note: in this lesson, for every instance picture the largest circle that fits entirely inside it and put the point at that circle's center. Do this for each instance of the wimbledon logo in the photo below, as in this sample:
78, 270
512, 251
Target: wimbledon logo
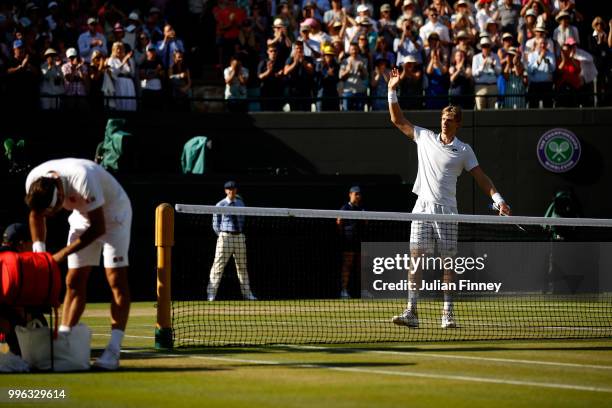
559, 150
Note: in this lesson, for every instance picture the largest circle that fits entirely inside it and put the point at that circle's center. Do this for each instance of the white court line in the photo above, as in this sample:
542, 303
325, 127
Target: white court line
449, 377
453, 356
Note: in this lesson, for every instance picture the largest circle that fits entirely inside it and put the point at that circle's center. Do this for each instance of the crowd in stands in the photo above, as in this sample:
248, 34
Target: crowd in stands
90, 54
483, 55
304, 55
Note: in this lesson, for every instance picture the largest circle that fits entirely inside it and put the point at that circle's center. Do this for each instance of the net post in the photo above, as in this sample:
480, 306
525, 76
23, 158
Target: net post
164, 241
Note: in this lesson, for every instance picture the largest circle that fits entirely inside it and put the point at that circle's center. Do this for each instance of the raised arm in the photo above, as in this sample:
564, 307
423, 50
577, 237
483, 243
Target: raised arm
397, 117
486, 185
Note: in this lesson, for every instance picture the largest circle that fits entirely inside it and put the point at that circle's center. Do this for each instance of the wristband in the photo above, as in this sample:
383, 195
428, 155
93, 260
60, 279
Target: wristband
39, 246
392, 96
497, 198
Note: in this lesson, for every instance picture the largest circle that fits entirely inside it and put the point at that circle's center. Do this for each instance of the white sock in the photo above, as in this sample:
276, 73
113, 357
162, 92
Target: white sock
116, 339
64, 329
448, 302
413, 296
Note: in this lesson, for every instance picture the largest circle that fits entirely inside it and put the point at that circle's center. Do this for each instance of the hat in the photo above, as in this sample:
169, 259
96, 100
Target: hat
16, 233
462, 34
507, 36
50, 51
134, 16
310, 21
279, 22
461, 3
512, 51
355, 189
91, 20
153, 10
362, 8
562, 14
409, 58
308, 4
305, 27
329, 50
540, 28
485, 41
17, 44
151, 47
531, 12
385, 7
71, 52
230, 185
570, 41
407, 3
118, 27
52, 4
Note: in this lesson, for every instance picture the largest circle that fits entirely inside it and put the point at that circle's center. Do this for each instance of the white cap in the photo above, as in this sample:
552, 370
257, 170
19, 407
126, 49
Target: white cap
52, 4
362, 8
409, 58
279, 22
485, 41
71, 52
134, 16
408, 2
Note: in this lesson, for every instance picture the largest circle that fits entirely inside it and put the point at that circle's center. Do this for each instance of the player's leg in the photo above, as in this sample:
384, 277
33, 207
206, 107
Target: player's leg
446, 236
76, 296
238, 248
120, 303
222, 255
348, 263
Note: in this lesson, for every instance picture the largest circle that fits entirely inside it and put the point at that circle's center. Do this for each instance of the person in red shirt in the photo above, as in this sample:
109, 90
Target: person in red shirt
568, 78
229, 19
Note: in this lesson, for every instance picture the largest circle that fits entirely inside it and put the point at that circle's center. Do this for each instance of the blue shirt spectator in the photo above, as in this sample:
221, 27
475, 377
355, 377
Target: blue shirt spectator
541, 64
167, 46
228, 223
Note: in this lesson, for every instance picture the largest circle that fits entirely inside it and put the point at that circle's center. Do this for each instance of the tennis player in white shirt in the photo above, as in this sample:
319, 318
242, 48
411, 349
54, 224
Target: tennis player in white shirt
99, 224
441, 159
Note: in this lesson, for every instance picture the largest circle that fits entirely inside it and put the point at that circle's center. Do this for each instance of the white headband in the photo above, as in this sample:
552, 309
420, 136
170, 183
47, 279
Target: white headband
53, 202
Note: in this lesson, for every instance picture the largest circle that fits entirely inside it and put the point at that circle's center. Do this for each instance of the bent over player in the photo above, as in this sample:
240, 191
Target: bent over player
441, 159
99, 223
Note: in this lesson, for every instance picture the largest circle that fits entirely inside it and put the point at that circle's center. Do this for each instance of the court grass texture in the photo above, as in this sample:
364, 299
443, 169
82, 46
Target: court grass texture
543, 373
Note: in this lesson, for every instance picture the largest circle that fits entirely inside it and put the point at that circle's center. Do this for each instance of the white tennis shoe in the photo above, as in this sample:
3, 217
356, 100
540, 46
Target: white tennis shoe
408, 319
448, 320
250, 296
344, 294
109, 360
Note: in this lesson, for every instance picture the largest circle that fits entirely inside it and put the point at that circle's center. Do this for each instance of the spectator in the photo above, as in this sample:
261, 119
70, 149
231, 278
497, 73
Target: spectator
599, 47
494, 35
22, 84
328, 77
380, 78
289, 20
462, 10
569, 6
409, 44
411, 84
541, 11
119, 36
364, 52
485, 69
140, 51
312, 48
317, 34
281, 40
540, 68
527, 27
437, 75
509, 14
152, 26
507, 43
338, 45
271, 77
409, 13
484, 14
52, 85
462, 24
334, 14
351, 232
299, 70
354, 73
151, 74
97, 72
133, 30
460, 90
540, 35
515, 78
75, 81
433, 44
382, 51
91, 40
229, 19
564, 31
444, 10
463, 44
167, 47
588, 72
236, 77
387, 27
180, 82
434, 24
260, 27
568, 82
122, 69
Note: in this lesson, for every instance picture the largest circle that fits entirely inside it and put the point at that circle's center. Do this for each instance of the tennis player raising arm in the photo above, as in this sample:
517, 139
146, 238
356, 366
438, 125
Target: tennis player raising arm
442, 157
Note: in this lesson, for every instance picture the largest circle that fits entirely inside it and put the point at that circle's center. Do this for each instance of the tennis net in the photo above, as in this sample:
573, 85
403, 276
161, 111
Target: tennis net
290, 276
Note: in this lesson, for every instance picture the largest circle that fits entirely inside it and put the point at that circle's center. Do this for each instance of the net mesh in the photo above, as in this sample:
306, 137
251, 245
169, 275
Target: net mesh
270, 276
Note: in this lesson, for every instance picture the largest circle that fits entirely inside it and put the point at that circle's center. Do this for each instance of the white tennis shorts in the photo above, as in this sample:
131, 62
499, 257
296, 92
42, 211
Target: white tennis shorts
426, 235
113, 245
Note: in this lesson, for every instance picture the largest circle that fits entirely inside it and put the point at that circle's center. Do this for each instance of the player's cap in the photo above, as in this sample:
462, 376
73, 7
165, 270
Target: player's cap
71, 52
50, 51
92, 20
362, 8
16, 233
485, 41
531, 12
17, 44
407, 3
279, 22
230, 185
570, 41
355, 189
562, 14
118, 28
385, 7
507, 36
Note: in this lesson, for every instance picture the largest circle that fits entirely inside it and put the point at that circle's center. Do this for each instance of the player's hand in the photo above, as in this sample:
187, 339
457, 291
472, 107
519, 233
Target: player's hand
59, 256
394, 80
504, 209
